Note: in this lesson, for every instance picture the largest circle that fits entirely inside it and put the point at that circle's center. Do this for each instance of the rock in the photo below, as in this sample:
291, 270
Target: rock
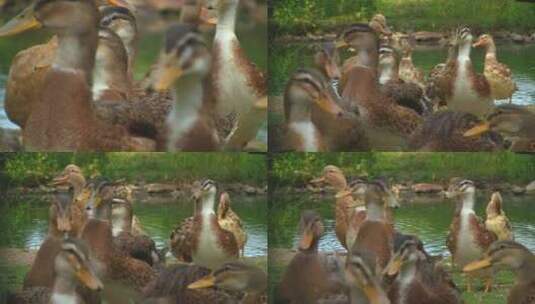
501, 35
10, 140
530, 188
427, 37
249, 190
517, 190
160, 188
517, 38
427, 188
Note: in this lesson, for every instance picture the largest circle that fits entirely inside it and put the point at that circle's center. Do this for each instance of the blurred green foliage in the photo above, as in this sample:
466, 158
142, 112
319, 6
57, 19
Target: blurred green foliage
297, 16
32, 169
298, 168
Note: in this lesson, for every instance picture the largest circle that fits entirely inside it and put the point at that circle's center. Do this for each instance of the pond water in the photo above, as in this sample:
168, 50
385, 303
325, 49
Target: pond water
520, 58
429, 220
24, 224
252, 38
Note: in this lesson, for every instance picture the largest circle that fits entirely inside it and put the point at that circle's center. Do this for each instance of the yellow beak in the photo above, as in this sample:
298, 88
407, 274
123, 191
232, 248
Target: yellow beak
23, 22
122, 3
477, 130
307, 240
341, 44
481, 264
393, 267
207, 16
167, 78
207, 281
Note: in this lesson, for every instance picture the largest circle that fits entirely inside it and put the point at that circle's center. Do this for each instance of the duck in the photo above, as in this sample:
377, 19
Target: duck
444, 131
181, 237
305, 280
515, 123
212, 245
468, 239
229, 220
387, 125
74, 126
439, 79
326, 60
238, 277
407, 94
113, 263
407, 71
140, 247
185, 61
499, 76
304, 91
516, 257
26, 75
73, 267
468, 91
363, 282
375, 234
237, 83
64, 217
418, 280
496, 220
379, 25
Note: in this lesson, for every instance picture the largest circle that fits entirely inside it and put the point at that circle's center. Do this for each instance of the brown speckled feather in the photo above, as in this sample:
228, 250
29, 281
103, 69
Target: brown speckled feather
376, 237
182, 240
451, 240
484, 237
255, 78
225, 239
522, 294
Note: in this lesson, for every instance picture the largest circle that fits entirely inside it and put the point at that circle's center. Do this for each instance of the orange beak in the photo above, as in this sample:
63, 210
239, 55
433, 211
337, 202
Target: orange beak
477, 130
307, 239
327, 104
121, 3
207, 16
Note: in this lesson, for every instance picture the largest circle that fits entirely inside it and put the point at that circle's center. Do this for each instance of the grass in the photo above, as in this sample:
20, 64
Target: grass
289, 17
37, 168
298, 168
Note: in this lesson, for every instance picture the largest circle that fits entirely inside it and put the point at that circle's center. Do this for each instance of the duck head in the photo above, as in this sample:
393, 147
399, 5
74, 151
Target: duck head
494, 207
378, 24
484, 40
327, 59
224, 204
378, 193
407, 258
234, 276
111, 64
123, 22
462, 189
512, 121
60, 215
359, 36
206, 195
72, 264
359, 274
184, 54
99, 205
306, 89
510, 254
71, 176
333, 176
311, 228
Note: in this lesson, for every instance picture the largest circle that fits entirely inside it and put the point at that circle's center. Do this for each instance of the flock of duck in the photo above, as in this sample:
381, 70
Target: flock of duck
377, 99
97, 252
384, 266
77, 91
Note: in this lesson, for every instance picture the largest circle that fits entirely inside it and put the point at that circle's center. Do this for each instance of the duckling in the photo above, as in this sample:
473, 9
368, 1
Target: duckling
72, 124
185, 61
444, 131
468, 238
378, 24
237, 83
407, 94
499, 76
387, 125
327, 60
407, 71
517, 258
417, 279
230, 221
497, 221
364, 284
304, 90
72, 267
306, 278
237, 276
439, 79
514, 122
212, 245
64, 218
470, 92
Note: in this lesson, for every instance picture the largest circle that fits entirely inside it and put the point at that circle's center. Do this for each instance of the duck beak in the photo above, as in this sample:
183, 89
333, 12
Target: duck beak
341, 44
371, 293
327, 104
121, 3
167, 77
479, 42
307, 239
207, 281
477, 130
481, 264
60, 180
207, 16
261, 104
89, 279
23, 22
394, 266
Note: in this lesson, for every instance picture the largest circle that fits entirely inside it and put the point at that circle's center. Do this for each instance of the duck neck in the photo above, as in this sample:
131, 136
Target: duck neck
375, 211
464, 52
76, 51
468, 201
490, 51
227, 14
300, 113
110, 73
526, 271
251, 298
368, 57
77, 187
388, 73
208, 206
64, 288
